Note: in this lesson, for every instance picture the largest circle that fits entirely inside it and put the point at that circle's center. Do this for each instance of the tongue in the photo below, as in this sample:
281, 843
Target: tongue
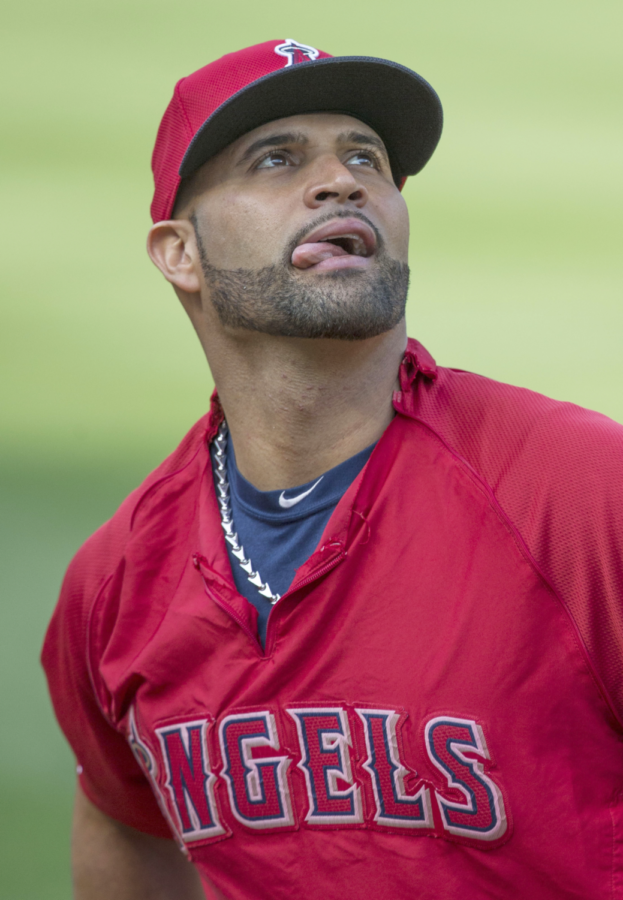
307, 255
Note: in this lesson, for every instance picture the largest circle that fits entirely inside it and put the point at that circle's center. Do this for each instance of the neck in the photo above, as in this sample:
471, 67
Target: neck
296, 408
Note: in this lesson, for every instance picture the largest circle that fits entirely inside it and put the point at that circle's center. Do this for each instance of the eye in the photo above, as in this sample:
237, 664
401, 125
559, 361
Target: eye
364, 158
274, 159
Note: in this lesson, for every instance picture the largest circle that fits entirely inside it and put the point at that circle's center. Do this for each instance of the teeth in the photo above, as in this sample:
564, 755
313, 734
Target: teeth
353, 243
356, 246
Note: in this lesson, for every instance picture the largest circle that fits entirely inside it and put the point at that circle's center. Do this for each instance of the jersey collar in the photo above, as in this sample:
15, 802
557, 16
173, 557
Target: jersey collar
416, 361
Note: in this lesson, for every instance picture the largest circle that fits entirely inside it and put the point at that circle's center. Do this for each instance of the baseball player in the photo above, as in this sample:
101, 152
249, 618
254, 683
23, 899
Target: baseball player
361, 634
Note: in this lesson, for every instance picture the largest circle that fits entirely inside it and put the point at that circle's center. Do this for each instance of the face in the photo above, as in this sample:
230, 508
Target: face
302, 232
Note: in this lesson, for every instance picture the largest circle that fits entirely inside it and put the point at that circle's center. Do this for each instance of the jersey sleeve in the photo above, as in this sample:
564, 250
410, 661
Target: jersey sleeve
566, 498
556, 471
108, 772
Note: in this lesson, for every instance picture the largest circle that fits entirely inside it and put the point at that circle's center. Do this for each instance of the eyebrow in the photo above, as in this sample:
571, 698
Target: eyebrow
297, 137
360, 137
274, 140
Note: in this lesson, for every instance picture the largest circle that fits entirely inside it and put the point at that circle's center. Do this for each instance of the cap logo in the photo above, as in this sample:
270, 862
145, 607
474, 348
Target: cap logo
295, 52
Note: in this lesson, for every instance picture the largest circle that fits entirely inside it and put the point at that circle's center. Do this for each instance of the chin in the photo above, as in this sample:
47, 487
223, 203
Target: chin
345, 273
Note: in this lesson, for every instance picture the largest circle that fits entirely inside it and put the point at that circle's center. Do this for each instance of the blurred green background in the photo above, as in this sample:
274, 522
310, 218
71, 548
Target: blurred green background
515, 258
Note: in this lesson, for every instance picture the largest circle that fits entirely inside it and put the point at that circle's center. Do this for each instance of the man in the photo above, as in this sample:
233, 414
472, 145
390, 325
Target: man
360, 635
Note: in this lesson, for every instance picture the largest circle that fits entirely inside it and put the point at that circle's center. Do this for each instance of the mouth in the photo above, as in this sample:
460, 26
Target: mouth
338, 244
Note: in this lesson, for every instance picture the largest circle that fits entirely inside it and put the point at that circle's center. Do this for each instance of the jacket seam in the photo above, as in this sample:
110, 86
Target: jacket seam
89, 643
525, 551
159, 481
158, 625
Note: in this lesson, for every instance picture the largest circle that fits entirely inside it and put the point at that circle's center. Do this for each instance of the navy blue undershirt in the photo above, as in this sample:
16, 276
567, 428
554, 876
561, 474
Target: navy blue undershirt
278, 537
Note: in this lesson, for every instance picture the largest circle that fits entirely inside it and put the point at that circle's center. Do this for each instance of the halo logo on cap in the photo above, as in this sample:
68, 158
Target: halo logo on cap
295, 52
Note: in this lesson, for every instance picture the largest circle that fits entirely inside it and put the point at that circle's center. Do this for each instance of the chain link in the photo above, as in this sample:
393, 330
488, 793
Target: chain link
227, 522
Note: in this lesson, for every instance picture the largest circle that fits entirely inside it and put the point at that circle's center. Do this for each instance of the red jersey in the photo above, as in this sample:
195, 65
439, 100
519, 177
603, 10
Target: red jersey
437, 712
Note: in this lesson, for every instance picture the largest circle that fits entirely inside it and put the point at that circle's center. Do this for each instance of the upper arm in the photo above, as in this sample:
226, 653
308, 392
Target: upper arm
556, 471
112, 860
109, 774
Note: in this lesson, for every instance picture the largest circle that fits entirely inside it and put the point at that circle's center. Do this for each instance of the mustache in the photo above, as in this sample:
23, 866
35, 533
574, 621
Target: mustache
328, 217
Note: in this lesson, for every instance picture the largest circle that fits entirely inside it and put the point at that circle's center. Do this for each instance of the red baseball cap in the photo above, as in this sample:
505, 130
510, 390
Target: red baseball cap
243, 90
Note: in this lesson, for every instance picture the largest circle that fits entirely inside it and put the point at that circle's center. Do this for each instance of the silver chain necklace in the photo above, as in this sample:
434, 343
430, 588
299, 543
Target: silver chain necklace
231, 536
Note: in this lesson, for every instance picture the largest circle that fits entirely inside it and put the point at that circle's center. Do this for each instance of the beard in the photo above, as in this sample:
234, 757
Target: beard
348, 304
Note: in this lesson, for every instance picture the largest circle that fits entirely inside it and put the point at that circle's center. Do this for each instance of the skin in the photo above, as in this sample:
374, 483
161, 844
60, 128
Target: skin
295, 407
113, 862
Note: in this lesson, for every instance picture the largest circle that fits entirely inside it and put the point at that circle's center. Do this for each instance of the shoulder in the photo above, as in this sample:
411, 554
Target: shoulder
167, 484
89, 611
516, 438
556, 473
553, 467
103, 555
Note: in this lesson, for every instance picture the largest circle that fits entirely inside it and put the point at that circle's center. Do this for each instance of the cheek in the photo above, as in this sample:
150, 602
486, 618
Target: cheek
239, 233
398, 229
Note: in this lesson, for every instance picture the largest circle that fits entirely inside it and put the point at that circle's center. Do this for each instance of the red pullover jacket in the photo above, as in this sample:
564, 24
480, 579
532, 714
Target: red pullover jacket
437, 713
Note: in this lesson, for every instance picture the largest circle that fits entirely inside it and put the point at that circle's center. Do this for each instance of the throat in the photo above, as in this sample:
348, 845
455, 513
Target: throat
298, 407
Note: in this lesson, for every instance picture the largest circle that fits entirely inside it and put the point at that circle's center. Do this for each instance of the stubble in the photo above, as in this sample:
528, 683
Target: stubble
348, 304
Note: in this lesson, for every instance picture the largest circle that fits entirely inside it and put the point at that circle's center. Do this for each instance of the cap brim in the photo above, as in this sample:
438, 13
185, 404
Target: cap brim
396, 102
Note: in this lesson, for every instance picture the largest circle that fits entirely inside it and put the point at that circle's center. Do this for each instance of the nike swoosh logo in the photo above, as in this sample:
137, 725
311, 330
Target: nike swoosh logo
286, 503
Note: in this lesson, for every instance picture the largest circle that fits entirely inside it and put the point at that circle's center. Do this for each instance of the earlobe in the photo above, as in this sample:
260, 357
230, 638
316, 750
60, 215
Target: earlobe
172, 248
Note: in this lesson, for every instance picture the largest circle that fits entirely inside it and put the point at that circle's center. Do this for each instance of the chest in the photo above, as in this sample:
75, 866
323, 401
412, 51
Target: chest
427, 683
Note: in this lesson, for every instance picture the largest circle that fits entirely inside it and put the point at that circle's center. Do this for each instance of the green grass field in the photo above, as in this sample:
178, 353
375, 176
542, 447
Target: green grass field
516, 273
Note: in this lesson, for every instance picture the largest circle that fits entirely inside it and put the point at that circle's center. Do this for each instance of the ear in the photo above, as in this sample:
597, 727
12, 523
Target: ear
172, 248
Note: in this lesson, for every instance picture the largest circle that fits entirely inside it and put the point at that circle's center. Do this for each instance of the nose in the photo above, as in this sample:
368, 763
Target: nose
331, 180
